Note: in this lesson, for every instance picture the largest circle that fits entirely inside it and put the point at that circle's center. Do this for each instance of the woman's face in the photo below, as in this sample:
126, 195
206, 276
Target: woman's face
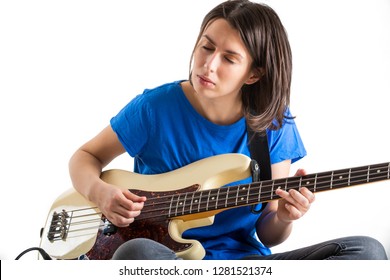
221, 63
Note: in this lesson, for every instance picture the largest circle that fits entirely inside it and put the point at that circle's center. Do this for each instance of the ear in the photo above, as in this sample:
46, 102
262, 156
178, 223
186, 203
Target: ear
255, 76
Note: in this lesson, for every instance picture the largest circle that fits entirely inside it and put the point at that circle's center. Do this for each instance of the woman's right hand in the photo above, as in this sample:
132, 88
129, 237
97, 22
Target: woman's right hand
120, 207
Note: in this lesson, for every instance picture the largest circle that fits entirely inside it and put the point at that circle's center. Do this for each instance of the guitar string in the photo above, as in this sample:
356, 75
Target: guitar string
284, 181
251, 198
269, 194
267, 198
254, 186
156, 216
270, 185
202, 209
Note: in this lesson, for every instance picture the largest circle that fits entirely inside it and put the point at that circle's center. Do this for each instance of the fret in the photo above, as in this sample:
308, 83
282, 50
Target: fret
226, 198
359, 175
277, 184
340, 178
231, 196
200, 201
293, 183
368, 174
238, 189
192, 202
241, 197
307, 181
331, 180
324, 181
388, 171
177, 205
187, 206
170, 206
216, 200
212, 196
173, 206
315, 183
207, 203
255, 193
379, 172
260, 192
195, 202
184, 204
268, 191
349, 177
244, 194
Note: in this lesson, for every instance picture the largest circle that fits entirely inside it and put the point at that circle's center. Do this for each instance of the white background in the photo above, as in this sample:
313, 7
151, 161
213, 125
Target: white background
67, 67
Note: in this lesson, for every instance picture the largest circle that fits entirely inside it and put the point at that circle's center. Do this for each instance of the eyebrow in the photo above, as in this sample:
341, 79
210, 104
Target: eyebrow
228, 51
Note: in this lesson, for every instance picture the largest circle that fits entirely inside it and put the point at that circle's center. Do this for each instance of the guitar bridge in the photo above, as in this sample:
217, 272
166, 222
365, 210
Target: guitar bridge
59, 226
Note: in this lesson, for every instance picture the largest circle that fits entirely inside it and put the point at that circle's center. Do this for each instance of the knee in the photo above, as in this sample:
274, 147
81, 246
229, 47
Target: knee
372, 249
143, 249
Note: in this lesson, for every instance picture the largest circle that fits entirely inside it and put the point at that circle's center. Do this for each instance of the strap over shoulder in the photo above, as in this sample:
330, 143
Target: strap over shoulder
261, 162
259, 150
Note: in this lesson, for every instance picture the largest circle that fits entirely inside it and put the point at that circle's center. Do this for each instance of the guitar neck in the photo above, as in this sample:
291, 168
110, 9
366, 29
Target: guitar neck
260, 192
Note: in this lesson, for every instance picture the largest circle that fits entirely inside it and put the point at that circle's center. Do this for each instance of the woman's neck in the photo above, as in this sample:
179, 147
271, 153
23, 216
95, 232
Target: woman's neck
219, 111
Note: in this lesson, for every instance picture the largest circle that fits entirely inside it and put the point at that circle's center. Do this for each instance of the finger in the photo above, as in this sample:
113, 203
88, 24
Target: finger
308, 194
294, 198
120, 221
117, 219
132, 202
301, 202
134, 197
123, 212
123, 217
300, 172
294, 213
282, 193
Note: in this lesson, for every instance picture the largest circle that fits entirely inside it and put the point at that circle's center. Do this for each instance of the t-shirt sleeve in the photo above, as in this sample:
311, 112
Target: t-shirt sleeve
286, 143
132, 125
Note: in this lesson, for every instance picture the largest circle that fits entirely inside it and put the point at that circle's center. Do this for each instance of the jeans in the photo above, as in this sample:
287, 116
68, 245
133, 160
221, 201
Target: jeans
347, 248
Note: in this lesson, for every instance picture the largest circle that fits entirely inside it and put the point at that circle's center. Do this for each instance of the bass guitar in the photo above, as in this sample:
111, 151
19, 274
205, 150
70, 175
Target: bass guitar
185, 198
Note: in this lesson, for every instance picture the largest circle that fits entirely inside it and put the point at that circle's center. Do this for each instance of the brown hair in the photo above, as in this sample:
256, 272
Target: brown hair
265, 102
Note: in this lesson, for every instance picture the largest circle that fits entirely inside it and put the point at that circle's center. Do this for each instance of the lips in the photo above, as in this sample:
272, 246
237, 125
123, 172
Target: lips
205, 80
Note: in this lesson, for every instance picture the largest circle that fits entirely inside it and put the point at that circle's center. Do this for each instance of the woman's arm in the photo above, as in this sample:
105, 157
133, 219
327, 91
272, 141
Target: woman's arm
275, 223
85, 167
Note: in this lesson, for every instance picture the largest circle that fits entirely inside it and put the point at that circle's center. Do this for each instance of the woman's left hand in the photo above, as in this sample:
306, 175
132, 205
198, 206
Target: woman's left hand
294, 204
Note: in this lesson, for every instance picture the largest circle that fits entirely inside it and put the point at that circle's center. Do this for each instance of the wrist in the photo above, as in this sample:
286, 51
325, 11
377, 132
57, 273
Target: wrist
282, 220
95, 190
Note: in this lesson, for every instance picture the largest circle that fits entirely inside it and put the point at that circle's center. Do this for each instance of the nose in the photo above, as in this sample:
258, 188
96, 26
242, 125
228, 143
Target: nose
211, 63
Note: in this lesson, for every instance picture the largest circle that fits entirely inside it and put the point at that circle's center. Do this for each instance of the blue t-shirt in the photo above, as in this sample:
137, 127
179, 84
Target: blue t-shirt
162, 132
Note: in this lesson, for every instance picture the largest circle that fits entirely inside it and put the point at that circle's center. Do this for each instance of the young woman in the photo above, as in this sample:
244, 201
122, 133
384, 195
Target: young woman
240, 77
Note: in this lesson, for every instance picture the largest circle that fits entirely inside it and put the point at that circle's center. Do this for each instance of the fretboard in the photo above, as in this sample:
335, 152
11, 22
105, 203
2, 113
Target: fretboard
259, 192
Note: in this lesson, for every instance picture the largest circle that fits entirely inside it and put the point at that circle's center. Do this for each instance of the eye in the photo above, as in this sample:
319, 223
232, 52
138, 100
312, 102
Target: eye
229, 60
207, 48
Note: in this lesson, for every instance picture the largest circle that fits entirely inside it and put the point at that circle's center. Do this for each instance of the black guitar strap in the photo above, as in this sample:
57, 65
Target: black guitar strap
261, 162
259, 150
